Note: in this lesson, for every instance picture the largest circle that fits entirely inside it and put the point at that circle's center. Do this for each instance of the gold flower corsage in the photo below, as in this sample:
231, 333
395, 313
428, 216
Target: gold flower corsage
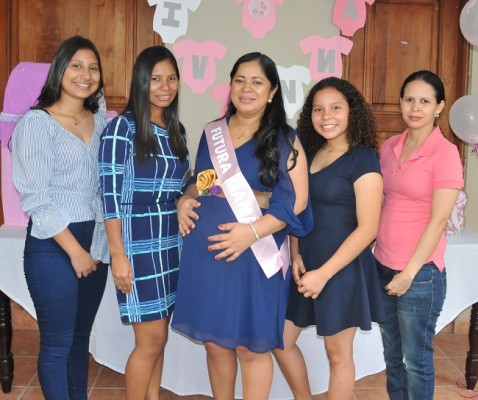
208, 184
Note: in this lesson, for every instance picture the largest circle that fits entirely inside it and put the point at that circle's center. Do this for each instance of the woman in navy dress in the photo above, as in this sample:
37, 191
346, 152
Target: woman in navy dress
336, 284
143, 163
224, 297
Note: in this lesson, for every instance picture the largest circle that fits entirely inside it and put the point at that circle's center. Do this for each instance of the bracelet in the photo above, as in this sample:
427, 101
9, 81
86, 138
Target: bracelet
254, 230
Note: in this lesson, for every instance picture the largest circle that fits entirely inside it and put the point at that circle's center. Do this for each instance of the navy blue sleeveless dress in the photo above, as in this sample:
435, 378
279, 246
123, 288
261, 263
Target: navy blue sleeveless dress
352, 298
234, 304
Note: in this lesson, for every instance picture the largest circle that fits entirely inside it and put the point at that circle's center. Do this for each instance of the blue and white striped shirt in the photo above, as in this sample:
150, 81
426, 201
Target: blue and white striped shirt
56, 175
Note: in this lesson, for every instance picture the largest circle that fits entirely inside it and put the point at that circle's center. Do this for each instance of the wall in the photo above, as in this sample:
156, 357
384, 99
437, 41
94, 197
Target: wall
471, 179
471, 165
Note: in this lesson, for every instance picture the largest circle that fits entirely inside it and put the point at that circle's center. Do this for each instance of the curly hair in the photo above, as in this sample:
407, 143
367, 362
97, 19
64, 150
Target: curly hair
361, 123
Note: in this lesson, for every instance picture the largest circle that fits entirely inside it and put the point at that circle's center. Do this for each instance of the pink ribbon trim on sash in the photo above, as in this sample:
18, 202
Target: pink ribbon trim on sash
241, 198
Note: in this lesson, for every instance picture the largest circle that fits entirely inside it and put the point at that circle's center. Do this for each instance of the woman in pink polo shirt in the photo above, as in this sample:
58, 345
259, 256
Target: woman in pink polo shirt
422, 175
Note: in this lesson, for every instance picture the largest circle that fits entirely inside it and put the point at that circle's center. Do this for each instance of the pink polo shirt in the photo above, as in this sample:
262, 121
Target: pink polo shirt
408, 189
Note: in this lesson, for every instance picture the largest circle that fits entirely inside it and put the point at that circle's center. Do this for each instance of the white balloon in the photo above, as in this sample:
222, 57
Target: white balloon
469, 22
464, 118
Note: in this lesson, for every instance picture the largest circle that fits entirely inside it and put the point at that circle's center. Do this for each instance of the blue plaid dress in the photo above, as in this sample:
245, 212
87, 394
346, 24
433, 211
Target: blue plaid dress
143, 197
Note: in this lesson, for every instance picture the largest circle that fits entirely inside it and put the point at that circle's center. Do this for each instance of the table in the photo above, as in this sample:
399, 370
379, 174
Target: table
185, 369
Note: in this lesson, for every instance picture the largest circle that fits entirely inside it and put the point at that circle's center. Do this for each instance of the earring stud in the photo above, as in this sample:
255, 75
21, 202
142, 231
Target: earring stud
270, 100
437, 115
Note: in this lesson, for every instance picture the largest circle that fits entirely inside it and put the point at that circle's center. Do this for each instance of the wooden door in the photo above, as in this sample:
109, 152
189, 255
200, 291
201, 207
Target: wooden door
403, 36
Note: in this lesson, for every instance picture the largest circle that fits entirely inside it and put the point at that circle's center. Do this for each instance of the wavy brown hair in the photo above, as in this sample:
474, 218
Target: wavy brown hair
361, 124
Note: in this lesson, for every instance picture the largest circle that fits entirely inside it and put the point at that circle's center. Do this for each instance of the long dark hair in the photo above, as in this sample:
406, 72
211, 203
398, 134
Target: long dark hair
273, 122
51, 90
139, 104
429, 77
361, 123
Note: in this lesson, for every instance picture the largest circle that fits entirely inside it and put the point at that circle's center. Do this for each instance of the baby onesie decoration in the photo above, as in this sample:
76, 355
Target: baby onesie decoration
260, 18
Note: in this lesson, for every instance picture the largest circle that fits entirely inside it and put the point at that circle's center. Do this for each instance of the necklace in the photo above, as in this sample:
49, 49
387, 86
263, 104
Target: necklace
77, 121
244, 131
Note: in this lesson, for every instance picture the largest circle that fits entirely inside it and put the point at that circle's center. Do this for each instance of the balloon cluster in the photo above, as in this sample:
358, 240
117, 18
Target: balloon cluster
464, 112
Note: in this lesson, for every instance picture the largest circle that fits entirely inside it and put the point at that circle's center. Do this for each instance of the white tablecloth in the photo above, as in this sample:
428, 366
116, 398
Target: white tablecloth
185, 369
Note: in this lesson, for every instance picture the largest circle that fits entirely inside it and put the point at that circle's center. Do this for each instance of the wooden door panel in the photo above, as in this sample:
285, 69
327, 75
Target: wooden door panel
109, 24
37, 28
411, 43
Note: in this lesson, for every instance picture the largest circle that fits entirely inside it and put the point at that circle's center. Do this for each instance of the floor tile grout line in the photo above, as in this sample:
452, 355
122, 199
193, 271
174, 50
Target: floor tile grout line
20, 396
96, 377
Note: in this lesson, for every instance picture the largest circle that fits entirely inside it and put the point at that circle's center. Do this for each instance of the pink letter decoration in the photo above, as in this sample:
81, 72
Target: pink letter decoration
199, 66
325, 55
349, 15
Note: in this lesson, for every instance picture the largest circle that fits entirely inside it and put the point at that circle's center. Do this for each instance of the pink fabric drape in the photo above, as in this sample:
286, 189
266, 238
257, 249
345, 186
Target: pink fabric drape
22, 90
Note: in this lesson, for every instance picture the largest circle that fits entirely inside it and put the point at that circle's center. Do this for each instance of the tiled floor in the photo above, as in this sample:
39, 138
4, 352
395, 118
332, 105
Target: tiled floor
450, 354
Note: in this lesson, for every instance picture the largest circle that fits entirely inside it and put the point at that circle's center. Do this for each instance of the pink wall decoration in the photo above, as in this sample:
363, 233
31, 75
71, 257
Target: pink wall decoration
199, 62
349, 15
325, 55
259, 16
220, 94
171, 17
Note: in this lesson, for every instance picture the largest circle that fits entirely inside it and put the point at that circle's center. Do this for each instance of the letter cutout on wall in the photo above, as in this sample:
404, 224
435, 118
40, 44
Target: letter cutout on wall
171, 17
199, 64
325, 55
292, 82
259, 16
349, 15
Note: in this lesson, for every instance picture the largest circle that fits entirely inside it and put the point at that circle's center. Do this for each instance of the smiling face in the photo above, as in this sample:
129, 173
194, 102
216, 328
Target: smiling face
330, 115
82, 75
164, 86
250, 89
419, 106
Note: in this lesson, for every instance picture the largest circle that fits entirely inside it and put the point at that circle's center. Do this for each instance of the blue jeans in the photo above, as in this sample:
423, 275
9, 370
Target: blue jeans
409, 330
66, 307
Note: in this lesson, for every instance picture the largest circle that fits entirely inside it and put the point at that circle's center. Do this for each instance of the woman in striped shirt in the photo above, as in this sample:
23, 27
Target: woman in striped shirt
55, 147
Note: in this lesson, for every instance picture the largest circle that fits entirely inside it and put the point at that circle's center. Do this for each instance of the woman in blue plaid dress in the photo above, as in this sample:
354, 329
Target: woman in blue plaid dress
143, 163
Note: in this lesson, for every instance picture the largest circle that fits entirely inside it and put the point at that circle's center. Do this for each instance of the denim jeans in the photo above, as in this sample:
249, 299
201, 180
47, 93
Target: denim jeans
66, 307
409, 330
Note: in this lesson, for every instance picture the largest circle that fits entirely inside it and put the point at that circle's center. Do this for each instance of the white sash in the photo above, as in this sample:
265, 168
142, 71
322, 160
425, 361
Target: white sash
241, 198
